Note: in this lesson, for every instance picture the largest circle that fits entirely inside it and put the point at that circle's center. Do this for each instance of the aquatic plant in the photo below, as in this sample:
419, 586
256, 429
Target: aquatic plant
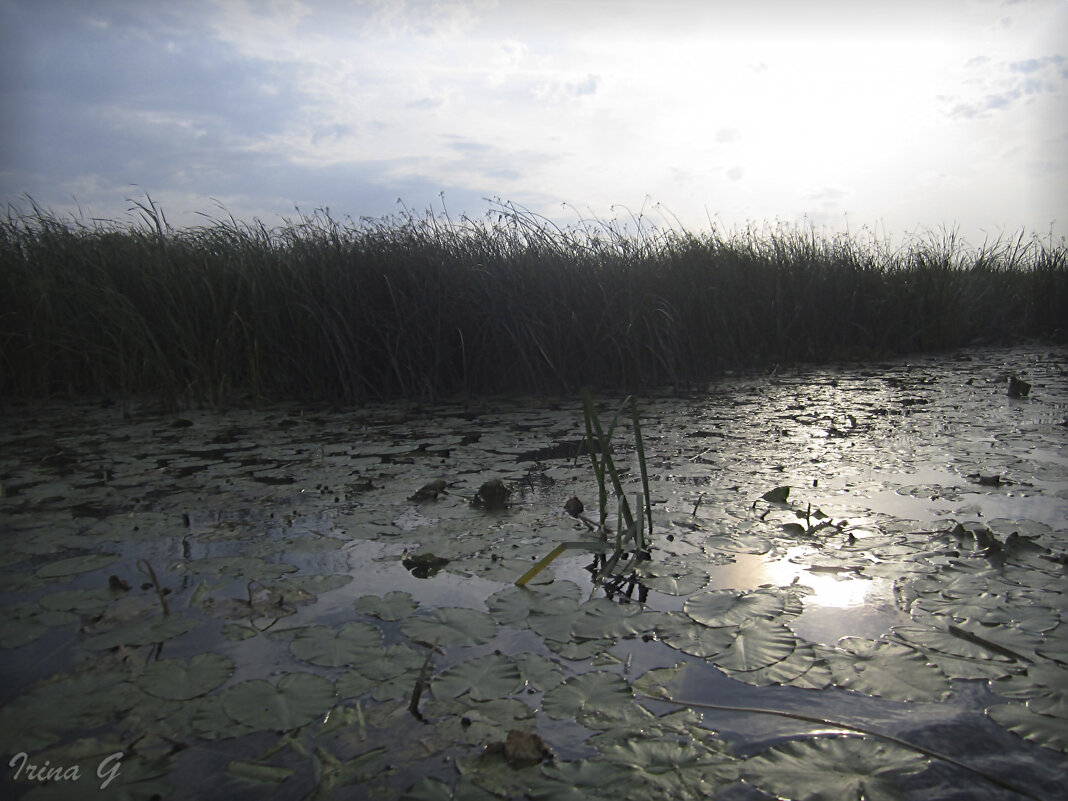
429, 306
630, 539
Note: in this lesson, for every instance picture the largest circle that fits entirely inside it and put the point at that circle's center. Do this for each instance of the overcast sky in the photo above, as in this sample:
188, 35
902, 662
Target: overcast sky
897, 115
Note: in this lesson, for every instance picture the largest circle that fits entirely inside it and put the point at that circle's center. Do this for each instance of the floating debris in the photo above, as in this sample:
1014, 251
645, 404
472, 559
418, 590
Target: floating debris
1018, 388
429, 491
492, 495
521, 748
424, 565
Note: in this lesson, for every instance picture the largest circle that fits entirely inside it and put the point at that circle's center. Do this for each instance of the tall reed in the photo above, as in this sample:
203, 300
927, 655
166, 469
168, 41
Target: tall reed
426, 306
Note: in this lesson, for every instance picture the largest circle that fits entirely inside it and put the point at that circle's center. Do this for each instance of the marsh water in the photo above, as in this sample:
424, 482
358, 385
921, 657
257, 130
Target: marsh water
162, 568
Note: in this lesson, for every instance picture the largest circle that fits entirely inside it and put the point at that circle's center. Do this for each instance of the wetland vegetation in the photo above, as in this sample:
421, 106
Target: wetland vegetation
430, 307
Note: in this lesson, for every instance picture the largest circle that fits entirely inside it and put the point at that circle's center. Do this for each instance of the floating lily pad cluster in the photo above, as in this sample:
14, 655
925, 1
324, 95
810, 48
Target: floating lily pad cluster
319, 599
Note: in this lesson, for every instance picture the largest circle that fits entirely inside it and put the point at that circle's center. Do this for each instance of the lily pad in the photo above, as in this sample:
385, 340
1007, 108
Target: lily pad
684, 634
296, 699
430, 788
148, 632
75, 565
1046, 730
583, 780
83, 602
483, 678
539, 671
686, 769
596, 700
885, 669
241, 567
394, 605
178, 680
562, 619
731, 608
451, 625
755, 645
802, 668
349, 645
833, 768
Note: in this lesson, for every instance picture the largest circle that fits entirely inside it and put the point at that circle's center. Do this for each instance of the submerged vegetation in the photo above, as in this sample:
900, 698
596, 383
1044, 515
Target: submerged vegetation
429, 306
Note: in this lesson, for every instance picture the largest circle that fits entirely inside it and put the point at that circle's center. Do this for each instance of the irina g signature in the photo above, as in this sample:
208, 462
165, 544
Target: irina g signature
107, 770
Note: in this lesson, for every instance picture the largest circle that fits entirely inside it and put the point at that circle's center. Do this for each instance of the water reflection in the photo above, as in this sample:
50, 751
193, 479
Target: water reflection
842, 603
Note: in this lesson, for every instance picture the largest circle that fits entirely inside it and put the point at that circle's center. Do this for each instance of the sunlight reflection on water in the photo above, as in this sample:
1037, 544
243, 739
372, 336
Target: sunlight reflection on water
841, 605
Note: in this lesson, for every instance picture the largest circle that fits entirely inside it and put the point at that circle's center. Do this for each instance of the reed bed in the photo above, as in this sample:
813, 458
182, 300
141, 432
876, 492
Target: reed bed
427, 306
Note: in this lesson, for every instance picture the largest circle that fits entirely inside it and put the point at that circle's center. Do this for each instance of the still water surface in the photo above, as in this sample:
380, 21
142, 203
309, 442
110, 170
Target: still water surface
889, 456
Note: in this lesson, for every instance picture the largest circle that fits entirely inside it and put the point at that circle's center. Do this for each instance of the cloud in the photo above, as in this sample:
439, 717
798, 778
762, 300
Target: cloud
560, 91
267, 105
1001, 85
425, 103
827, 196
725, 135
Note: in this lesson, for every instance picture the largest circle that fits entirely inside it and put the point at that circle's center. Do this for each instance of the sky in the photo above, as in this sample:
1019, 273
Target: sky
892, 117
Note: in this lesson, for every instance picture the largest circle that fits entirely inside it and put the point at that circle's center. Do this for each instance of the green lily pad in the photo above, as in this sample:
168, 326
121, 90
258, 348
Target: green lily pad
311, 584
833, 768
394, 605
681, 580
398, 687
179, 680
562, 619
451, 625
1038, 681
686, 769
353, 685
25, 622
596, 700
457, 720
75, 565
147, 632
349, 645
82, 602
757, 644
885, 669
583, 780
238, 631
430, 788
731, 608
802, 668
246, 568
483, 678
1046, 730
383, 664
82, 700
511, 606
539, 671
684, 634
296, 699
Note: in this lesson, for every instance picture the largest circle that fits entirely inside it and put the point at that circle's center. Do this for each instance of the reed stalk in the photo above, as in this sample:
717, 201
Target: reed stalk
431, 306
